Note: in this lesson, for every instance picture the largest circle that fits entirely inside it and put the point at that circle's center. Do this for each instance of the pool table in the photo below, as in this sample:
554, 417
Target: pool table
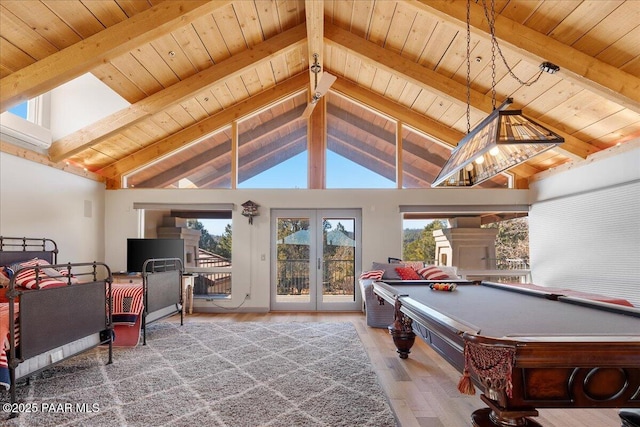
525, 349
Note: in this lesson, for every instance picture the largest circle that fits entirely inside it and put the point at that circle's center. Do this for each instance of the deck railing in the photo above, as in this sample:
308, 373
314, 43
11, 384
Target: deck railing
212, 284
511, 263
337, 276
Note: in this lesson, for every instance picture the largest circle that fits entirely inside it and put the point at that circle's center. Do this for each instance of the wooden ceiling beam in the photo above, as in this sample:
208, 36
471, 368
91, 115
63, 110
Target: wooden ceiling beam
314, 11
220, 179
606, 80
317, 146
231, 67
361, 125
100, 48
409, 70
208, 125
432, 81
33, 156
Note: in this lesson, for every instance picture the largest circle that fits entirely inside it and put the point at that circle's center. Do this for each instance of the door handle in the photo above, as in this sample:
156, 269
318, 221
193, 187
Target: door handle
319, 263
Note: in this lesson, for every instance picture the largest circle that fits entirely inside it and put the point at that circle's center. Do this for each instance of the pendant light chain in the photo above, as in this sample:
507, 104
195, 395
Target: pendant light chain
495, 46
468, 66
493, 54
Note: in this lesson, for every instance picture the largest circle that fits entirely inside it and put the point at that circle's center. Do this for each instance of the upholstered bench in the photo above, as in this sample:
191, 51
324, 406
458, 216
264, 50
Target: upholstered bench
378, 316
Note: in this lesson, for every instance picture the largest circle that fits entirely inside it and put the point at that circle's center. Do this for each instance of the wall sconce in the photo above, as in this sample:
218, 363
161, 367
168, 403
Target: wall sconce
250, 209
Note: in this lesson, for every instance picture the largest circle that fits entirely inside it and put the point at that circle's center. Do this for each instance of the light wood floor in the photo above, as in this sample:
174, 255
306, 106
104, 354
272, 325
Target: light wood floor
421, 389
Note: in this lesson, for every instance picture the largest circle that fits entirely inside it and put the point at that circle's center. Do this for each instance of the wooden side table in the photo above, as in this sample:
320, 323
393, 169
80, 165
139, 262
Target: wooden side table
188, 282
123, 278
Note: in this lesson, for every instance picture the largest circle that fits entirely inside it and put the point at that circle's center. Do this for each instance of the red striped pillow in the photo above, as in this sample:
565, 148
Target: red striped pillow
372, 274
27, 278
433, 273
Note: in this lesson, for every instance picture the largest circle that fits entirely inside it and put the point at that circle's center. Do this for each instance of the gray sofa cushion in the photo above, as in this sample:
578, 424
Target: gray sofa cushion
389, 270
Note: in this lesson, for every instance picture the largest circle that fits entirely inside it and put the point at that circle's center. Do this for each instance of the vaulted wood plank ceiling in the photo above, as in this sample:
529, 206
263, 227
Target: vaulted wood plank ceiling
194, 68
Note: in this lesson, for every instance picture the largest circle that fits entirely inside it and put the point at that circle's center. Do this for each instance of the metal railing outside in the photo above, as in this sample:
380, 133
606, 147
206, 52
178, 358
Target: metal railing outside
212, 284
337, 276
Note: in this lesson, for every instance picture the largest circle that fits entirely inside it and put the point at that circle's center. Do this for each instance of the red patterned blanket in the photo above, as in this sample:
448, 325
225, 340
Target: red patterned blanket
128, 303
5, 342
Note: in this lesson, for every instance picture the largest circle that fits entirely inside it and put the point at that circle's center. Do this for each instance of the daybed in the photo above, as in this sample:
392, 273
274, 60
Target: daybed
52, 311
162, 284
146, 298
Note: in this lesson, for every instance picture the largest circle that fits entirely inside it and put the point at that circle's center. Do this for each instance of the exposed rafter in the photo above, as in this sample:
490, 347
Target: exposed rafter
428, 126
431, 80
582, 69
193, 67
82, 57
204, 127
117, 122
201, 160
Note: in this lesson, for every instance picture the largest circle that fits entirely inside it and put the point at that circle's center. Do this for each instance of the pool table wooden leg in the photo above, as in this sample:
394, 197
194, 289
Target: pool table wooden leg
495, 416
402, 331
403, 341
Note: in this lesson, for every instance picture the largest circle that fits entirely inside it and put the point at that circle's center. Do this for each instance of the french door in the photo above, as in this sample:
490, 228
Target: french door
315, 258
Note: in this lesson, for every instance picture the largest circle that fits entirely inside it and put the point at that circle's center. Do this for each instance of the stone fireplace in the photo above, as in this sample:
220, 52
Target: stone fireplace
466, 245
176, 228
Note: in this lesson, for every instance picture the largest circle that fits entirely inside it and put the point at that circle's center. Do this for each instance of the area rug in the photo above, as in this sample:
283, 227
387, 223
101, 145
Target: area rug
231, 374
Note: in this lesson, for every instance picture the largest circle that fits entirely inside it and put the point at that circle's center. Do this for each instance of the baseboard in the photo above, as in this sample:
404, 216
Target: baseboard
234, 310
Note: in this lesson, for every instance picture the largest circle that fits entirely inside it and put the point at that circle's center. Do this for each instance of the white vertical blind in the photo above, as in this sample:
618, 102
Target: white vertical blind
589, 241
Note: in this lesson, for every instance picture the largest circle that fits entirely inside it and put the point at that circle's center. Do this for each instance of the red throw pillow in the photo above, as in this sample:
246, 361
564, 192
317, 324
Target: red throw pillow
433, 273
407, 273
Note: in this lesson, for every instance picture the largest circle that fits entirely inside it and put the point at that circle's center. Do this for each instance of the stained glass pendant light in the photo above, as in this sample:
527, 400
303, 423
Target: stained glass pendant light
504, 139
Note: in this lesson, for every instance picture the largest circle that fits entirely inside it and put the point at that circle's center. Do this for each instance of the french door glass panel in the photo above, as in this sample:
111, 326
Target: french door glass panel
317, 255
294, 256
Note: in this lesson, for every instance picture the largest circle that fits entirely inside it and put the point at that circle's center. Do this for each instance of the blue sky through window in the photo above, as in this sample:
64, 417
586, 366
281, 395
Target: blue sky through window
19, 110
292, 173
341, 173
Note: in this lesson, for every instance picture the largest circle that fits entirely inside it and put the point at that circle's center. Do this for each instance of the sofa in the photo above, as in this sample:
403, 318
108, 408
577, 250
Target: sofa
381, 315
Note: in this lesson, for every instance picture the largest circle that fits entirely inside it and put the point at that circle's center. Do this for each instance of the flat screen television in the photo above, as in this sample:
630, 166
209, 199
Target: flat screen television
140, 250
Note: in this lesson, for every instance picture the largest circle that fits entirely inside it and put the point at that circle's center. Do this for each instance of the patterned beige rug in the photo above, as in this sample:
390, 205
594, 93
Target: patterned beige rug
215, 374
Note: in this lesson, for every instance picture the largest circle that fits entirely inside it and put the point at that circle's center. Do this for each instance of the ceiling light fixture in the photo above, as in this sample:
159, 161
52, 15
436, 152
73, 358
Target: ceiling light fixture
503, 139
549, 67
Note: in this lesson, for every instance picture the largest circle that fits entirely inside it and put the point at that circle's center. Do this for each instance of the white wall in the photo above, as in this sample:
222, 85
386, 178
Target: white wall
40, 201
584, 225
381, 224
74, 104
